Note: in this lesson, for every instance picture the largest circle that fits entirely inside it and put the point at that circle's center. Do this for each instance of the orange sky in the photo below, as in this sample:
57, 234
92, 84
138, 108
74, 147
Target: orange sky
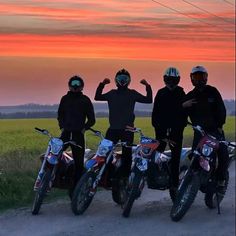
43, 43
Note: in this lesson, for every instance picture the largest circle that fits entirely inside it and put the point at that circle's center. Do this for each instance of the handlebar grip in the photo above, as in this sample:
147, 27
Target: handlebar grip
95, 131
189, 123
38, 129
130, 127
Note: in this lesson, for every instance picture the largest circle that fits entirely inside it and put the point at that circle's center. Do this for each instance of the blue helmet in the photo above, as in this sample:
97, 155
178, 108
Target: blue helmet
122, 78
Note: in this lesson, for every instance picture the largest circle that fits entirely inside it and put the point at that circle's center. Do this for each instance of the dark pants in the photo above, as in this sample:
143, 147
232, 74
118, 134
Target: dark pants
77, 152
175, 135
124, 136
223, 155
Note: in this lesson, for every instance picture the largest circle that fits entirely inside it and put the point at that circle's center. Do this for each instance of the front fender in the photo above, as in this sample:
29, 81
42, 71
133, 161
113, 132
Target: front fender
91, 164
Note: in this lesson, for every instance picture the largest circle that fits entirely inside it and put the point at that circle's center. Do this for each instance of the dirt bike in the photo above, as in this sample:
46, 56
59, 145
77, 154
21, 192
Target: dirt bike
148, 165
201, 175
102, 171
57, 169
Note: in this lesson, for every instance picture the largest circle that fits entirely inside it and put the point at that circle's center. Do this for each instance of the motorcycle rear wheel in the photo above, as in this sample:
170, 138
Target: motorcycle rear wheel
82, 197
211, 197
40, 194
133, 192
185, 196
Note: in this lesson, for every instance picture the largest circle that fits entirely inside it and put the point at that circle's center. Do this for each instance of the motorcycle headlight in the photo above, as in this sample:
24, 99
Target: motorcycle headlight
146, 151
206, 150
102, 151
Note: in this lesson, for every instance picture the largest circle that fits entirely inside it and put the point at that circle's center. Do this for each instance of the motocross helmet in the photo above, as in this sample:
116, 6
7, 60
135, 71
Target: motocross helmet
76, 84
122, 78
171, 77
199, 76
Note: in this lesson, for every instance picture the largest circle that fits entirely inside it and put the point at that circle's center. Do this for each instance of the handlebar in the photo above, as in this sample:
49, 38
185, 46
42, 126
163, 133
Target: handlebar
125, 144
46, 132
43, 131
228, 143
97, 133
134, 130
197, 128
38, 129
73, 143
200, 129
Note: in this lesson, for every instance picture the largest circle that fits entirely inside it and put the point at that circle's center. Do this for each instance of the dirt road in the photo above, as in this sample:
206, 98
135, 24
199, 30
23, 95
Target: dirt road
149, 216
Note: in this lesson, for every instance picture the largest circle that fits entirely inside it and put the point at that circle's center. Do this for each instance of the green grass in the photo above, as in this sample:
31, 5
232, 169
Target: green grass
20, 147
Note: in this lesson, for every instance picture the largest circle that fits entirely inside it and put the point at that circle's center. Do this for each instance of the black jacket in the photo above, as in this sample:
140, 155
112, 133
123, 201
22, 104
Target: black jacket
167, 110
121, 103
75, 112
209, 111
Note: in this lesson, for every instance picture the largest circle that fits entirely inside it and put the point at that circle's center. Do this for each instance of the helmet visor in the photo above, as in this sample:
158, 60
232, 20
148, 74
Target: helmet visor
75, 83
122, 80
198, 76
171, 79
199, 79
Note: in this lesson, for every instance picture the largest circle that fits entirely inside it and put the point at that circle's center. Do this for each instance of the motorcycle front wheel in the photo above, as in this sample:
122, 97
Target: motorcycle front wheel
41, 192
185, 196
82, 195
119, 187
133, 191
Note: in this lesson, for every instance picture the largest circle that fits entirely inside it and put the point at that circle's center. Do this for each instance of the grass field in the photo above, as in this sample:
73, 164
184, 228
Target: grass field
20, 147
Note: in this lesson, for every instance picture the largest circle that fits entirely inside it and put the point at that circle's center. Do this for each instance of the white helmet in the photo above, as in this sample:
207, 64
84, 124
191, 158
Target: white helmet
172, 72
171, 77
201, 79
200, 69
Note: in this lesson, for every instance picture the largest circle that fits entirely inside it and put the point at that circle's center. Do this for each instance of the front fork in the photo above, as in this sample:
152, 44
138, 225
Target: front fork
100, 173
138, 169
45, 165
197, 167
42, 169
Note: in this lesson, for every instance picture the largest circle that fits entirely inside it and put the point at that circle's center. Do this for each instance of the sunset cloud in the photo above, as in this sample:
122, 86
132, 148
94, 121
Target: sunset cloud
117, 31
124, 26
113, 47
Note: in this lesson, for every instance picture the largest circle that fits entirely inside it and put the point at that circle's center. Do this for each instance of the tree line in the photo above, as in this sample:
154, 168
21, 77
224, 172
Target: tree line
30, 111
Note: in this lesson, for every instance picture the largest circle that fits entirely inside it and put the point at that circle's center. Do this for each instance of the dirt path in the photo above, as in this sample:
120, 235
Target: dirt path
149, 216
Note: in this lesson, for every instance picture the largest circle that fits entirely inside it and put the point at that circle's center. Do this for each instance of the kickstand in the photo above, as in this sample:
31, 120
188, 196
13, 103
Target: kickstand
218, 202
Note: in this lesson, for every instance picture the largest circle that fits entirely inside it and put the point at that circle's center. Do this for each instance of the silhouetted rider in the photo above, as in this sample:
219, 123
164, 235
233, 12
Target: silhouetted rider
121, 103
75, 115
205, 107
169, 120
